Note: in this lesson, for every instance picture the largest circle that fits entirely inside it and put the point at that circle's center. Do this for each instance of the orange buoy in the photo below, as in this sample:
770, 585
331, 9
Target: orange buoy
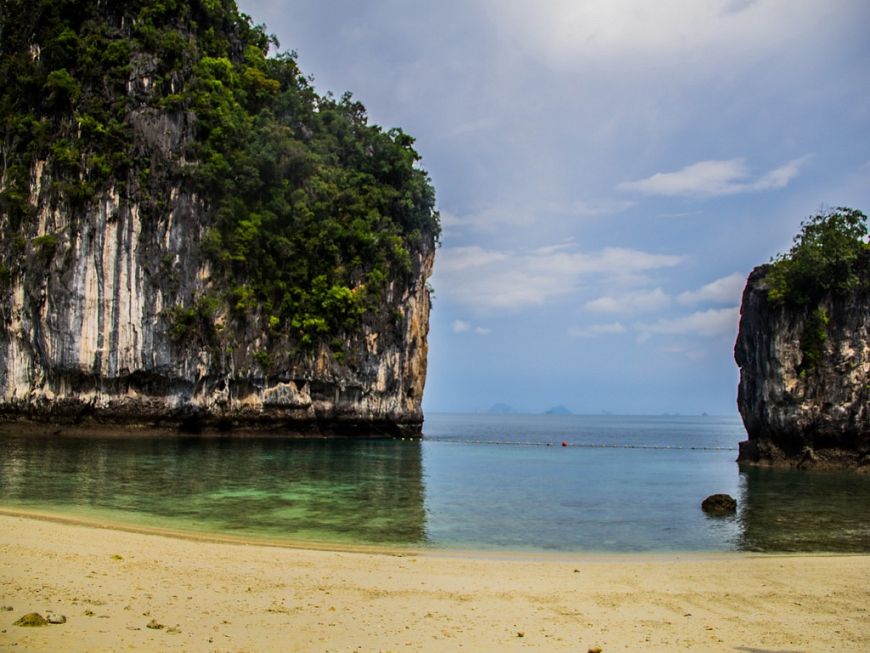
564, 443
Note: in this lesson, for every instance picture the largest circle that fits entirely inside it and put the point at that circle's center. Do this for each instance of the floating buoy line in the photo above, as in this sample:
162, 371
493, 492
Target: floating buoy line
567, 443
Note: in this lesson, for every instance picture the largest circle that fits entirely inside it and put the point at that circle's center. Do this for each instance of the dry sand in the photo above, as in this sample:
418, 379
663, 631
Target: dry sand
223, 596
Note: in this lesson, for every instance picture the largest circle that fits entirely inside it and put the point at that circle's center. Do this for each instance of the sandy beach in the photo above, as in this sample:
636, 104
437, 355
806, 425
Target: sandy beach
229, 596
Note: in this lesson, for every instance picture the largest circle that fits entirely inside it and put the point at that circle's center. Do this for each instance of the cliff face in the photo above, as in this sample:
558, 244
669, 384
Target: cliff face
803, 408
191, 238
85, 338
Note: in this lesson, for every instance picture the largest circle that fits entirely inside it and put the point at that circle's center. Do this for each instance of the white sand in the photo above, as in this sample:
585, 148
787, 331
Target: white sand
237, 597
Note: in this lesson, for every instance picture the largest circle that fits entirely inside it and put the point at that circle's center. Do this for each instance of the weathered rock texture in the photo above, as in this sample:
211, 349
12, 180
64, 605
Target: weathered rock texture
798, 415
106, 252
85, 339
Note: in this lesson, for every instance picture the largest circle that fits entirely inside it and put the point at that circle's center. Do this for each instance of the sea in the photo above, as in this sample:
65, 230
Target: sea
475, 482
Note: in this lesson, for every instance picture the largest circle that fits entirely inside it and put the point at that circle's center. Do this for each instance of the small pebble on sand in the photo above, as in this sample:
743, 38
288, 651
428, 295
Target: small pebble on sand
55, 618
31, 620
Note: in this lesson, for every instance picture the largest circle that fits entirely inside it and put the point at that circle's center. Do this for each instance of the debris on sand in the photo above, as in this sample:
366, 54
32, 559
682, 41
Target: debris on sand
31, 620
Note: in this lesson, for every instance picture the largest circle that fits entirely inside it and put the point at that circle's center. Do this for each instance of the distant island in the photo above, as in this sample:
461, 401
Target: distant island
558, 410
500, 409
506, 409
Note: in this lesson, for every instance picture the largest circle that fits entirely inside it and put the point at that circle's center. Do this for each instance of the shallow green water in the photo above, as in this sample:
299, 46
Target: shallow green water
449, 492
366, 491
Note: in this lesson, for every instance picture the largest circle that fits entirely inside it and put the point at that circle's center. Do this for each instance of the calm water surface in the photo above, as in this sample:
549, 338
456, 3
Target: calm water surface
622, 484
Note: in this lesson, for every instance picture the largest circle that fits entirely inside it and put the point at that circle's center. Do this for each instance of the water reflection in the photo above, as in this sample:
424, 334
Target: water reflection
437, 494
790, 511
335, 490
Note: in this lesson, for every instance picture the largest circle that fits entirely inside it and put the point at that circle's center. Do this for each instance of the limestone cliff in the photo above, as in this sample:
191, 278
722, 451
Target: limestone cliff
803, 408
85, 340
193, 239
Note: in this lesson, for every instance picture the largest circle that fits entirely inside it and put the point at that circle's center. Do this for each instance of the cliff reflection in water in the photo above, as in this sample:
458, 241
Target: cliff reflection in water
330, 490
790, 511
442, 494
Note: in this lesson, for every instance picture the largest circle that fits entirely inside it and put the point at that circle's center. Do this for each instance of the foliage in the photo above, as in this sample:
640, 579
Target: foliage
45, 245
813, 338
195, 322
823, 260
263, 359
311, 211
829, 258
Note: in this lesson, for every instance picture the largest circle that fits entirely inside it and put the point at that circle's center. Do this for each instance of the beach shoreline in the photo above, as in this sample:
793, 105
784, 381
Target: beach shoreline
516, 555
225, 595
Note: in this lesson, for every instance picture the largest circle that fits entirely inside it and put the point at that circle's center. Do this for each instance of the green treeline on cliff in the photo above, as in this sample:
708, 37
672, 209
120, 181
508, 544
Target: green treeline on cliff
830, 258
310, 211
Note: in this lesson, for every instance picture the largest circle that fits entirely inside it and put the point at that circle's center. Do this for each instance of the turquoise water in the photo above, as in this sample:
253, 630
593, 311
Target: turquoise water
622, 484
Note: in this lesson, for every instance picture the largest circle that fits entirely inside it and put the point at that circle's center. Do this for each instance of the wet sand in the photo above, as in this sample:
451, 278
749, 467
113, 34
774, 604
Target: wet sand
230, 596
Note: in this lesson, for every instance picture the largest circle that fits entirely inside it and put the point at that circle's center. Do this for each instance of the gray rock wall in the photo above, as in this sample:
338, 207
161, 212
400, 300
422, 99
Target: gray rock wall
85, 338
795, 414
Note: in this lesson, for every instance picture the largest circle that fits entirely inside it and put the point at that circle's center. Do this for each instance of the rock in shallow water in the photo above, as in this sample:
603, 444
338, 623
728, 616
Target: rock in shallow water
811, 413
719, 504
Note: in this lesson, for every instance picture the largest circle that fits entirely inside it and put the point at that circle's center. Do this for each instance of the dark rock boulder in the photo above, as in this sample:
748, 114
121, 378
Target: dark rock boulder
719, 504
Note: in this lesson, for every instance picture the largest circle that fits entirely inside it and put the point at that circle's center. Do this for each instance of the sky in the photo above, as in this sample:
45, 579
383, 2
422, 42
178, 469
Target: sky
608, 172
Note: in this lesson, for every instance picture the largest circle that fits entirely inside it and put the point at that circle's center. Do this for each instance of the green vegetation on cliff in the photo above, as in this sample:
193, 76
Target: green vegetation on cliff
310, 211
826, 258
830, 257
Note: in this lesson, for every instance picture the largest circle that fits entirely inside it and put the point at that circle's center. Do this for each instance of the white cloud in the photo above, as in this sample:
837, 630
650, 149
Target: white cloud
601, 32
703, 178
781, 176
633, 302
613, 328
714, 178
493, 219
598, 207
461, 326
490, 218
513, 279
472, 126
688, 352
610, 261
713, 322
726, 290
461, 259
548, 250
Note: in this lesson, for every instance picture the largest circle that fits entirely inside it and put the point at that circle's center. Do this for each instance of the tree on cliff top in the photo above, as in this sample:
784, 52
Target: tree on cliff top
826, 258
312, 216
